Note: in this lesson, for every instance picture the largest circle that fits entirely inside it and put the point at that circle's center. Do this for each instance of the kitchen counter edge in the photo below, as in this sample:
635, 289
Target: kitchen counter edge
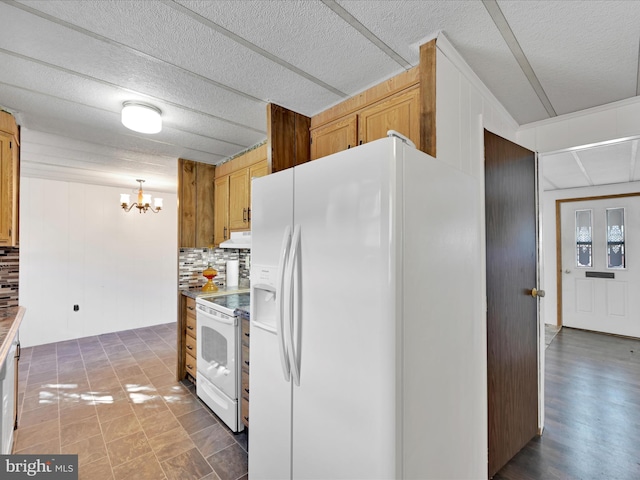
195, 293
9, 316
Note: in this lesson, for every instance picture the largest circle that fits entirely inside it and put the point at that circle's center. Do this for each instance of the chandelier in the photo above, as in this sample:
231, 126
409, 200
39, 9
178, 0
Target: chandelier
144, 201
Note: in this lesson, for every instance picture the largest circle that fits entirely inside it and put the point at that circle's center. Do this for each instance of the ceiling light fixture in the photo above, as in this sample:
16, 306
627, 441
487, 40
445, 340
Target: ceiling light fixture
144, 201
142, 118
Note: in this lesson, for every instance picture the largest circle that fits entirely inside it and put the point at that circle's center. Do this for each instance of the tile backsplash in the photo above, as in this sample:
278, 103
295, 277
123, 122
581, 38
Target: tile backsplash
191, 266
9, 276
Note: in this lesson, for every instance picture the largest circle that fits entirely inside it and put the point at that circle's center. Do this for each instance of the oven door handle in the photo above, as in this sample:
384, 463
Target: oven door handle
231, 321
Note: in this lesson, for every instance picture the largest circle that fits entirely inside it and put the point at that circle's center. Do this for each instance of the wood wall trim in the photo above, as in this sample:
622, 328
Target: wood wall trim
242, 161
559, 203
428, 97
374, 94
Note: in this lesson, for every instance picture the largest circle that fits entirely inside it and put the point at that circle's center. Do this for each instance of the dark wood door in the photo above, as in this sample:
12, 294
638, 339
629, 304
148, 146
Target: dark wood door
512, 342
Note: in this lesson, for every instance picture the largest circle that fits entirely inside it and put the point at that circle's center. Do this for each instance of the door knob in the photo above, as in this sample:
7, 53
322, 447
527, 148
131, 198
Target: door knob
567, 271
537, 293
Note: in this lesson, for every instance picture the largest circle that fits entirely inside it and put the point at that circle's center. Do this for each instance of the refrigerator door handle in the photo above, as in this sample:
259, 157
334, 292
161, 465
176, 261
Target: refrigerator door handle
291, 271
280, 298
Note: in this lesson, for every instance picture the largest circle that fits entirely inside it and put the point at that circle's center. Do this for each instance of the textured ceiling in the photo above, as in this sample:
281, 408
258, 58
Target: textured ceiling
212, 66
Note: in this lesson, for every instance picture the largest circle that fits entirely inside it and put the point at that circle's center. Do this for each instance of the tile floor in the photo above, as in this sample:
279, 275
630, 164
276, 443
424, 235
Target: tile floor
113, 400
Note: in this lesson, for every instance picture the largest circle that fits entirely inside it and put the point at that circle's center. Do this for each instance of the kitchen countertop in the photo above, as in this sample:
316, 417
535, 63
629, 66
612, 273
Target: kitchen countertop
10, 320
197, 292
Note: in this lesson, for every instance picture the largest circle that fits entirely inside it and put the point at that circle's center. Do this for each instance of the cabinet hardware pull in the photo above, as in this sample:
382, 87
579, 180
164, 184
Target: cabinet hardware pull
190, 327
189, 347
189, 365
360, 142
246, 363
246, 418
224, 233
249, 214
191, 308
244, 215
348, 146
246, 390
246, 334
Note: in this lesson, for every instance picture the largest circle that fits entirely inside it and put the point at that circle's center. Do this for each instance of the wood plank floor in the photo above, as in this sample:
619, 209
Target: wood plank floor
592, 426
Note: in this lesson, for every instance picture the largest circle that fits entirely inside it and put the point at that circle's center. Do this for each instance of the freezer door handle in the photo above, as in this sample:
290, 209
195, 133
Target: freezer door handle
292, 316
280, 297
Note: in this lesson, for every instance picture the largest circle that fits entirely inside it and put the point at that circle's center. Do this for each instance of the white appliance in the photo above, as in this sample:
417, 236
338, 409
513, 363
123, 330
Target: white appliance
218, 354
361, 261
237, 240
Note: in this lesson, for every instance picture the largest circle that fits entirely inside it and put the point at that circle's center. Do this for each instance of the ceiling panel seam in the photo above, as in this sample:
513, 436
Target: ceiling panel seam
634, 159
638, 72
251, 46
130, 49
581, 167
512, 42
58, 134
128, 90
34, 92
365, 32
93, 154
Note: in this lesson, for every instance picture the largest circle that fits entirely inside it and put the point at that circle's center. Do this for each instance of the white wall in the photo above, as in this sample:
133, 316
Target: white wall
550, 301
464, 107
608, 122
77, 246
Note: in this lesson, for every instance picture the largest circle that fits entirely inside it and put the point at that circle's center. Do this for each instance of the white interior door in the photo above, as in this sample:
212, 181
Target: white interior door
600, 265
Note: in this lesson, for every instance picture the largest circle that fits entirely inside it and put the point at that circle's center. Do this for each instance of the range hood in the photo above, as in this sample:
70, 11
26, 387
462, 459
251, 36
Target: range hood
238, 240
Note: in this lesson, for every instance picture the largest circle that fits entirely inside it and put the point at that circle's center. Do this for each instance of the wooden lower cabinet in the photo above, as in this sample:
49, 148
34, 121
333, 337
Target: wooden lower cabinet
244, 394
190, 339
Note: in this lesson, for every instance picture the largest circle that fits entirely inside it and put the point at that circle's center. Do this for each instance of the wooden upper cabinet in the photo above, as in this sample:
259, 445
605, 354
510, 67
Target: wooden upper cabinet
204, 204
9, 180
239, 200
334, 137
400, 112
195, 204
260, 169
221, 210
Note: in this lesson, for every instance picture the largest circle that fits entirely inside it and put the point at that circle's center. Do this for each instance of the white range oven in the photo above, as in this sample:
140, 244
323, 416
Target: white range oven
218, 346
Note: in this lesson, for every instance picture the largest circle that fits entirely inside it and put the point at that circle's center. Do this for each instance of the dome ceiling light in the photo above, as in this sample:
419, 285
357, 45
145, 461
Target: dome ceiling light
142, 118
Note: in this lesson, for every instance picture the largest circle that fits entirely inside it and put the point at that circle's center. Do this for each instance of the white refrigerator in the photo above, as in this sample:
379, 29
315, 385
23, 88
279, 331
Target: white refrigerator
362, 270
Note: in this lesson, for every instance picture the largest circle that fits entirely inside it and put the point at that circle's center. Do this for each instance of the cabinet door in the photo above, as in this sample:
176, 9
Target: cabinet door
187, 204
204, 204
400, 113
8, 185
335, 137
221, 209
239, 200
